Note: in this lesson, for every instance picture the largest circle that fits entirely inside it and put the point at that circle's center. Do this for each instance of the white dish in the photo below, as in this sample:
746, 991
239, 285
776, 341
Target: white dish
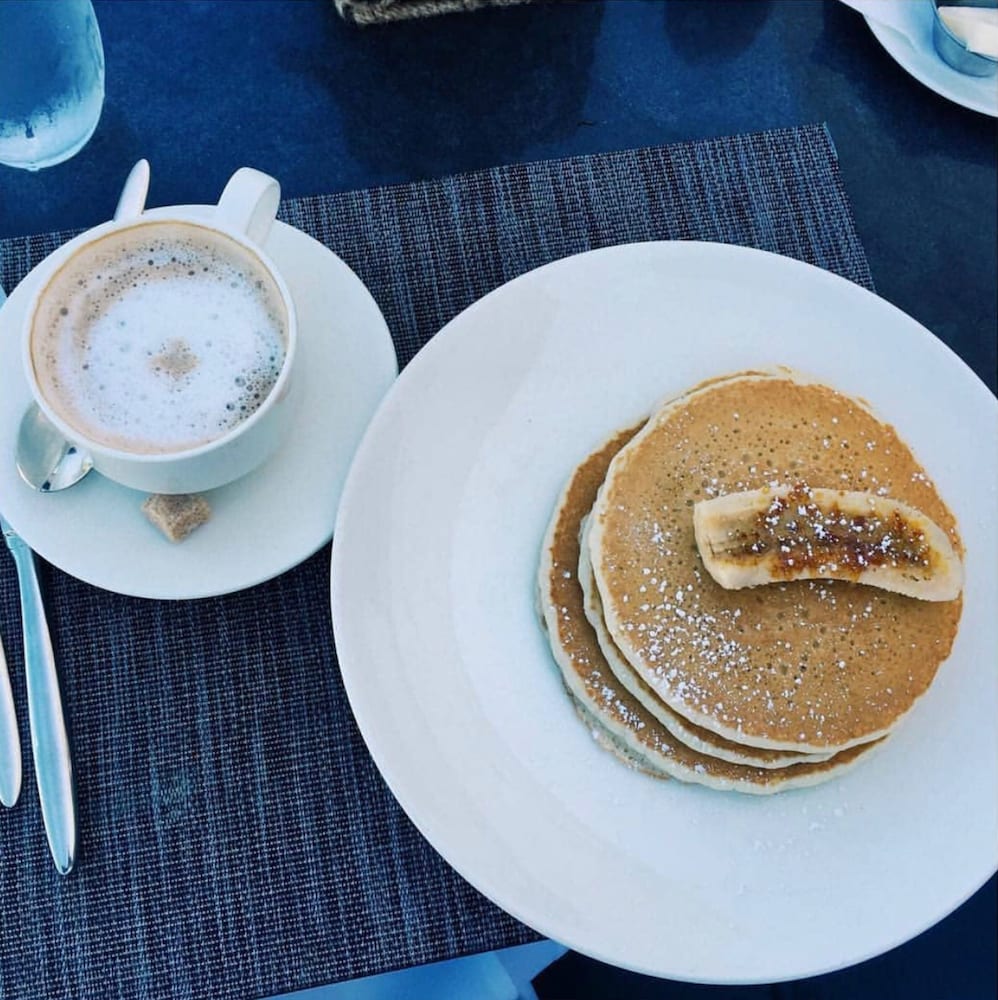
261, 525
917, 54
455, 691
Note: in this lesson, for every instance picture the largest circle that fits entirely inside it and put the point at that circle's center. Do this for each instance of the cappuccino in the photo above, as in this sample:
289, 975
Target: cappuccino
159, 338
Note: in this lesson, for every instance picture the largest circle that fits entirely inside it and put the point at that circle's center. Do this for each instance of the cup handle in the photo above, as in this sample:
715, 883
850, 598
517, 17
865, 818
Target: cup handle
132, 200
249, 204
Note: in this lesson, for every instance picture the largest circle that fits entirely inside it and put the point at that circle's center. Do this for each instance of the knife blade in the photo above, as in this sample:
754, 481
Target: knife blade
49, 742
10, 743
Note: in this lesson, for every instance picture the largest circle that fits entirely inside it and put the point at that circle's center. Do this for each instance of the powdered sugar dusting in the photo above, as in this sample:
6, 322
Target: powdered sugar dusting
806, 661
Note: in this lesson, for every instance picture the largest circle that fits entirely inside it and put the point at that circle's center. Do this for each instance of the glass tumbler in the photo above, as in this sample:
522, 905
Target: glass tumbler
51, 80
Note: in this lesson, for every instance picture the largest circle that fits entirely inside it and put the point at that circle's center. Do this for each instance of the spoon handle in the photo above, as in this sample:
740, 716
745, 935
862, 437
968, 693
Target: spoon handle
132, 199
49, 743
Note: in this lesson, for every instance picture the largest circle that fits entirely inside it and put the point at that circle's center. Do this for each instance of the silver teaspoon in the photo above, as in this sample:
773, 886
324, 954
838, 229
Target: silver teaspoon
46, 461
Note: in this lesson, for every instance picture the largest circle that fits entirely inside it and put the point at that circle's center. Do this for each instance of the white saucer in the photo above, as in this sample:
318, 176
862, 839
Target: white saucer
920, 59
261, 525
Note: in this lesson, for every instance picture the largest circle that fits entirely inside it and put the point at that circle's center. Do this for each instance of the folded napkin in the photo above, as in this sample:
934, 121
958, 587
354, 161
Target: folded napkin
383, 11
906, 17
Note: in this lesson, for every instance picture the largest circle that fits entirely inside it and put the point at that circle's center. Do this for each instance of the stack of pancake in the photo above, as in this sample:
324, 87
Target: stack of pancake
757, 689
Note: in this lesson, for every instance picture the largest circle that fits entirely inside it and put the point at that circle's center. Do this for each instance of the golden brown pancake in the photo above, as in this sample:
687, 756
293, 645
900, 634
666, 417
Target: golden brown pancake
603, 737
699, 739
806, 665
618, 720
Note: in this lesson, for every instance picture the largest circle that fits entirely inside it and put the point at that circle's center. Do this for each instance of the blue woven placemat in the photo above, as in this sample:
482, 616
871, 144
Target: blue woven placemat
235, 839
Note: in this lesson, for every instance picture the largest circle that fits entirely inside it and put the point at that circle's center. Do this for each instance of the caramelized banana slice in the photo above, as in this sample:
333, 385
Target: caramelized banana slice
801, 533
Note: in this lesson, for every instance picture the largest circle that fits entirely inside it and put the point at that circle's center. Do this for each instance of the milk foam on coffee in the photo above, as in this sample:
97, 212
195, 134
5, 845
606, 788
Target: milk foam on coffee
160, 338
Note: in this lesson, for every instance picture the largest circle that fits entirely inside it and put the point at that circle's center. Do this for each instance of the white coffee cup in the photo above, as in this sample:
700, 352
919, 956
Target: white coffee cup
163, 342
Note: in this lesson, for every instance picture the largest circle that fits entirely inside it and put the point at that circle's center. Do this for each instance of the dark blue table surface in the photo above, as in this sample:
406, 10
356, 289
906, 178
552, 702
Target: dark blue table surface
201, 88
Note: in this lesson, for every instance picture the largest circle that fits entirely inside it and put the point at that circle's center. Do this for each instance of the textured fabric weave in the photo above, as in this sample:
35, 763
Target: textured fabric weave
235, 839
387, 11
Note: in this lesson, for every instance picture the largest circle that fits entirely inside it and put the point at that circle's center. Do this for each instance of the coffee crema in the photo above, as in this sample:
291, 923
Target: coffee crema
159, 338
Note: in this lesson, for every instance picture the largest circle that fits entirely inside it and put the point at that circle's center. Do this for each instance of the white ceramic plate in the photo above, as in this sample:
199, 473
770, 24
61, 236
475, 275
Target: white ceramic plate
261, 525
454, 688
922, 61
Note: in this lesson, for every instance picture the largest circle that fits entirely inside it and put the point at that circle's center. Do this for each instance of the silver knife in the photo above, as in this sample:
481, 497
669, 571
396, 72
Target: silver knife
10, 743
49, 743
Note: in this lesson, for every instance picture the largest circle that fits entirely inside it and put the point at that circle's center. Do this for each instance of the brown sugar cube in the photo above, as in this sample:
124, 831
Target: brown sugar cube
176, 515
